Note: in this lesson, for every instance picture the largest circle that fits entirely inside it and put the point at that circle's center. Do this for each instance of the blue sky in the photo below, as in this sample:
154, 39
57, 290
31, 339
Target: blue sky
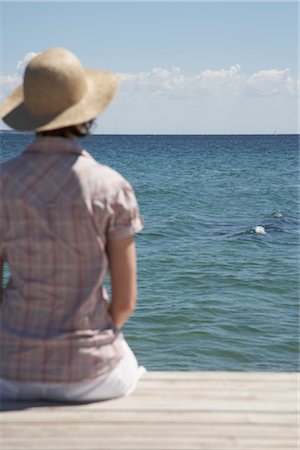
185, 67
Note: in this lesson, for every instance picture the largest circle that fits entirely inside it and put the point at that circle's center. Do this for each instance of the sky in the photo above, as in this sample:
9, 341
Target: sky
185, 67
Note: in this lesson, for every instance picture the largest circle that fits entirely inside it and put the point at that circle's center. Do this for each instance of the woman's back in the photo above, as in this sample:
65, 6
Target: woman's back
60, 206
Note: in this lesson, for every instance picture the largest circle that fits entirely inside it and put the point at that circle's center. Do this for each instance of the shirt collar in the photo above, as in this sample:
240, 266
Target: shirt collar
53, 144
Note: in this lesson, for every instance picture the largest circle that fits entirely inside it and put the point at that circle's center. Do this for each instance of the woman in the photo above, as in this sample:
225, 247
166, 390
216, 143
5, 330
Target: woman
65, 221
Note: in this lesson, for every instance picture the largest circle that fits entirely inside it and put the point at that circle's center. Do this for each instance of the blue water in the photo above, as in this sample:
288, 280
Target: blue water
214, 294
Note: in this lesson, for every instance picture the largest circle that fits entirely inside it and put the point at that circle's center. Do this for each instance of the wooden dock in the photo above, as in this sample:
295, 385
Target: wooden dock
168, 410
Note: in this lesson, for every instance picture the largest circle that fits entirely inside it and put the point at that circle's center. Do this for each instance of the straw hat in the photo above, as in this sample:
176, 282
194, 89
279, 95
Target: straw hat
57, 92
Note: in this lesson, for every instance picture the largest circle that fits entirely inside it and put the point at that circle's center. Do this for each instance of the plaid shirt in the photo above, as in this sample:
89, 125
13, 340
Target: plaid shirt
58, 208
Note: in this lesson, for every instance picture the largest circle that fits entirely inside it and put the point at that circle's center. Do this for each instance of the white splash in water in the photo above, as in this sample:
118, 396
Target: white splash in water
260, 230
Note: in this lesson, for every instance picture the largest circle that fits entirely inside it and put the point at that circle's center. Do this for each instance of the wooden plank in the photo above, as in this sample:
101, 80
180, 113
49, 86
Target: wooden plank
212, 376
200, 384
172, 410
153, 443
218, 386
60, 414
204, 404
145, 429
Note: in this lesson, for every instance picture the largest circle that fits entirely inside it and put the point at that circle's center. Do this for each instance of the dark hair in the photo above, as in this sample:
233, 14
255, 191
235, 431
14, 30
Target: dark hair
80, 130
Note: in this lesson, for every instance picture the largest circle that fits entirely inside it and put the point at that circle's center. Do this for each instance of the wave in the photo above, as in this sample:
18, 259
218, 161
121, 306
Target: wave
273, 224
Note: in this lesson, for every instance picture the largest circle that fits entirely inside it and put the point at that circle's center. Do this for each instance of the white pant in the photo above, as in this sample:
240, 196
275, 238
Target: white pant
121, 381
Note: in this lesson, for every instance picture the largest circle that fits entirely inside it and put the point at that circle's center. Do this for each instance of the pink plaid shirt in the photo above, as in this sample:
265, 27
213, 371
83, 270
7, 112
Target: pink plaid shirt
58, 208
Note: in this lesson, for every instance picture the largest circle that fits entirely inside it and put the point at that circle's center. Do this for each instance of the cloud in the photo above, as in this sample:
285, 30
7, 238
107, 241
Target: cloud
157, 83
9, 82
174, 83
232, 81
271, 82
23, 63
214, 81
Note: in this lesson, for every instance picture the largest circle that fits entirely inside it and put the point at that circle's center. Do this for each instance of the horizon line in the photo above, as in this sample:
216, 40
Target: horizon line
170, 134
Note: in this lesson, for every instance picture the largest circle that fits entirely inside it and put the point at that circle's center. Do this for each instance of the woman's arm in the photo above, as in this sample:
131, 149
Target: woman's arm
1, 280
122, 263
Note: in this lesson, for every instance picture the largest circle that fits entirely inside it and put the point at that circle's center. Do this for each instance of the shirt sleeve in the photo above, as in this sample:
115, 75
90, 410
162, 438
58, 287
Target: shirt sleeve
2, 226
125, 218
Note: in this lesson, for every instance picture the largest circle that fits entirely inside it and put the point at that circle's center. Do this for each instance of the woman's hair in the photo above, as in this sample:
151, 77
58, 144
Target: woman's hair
80, 130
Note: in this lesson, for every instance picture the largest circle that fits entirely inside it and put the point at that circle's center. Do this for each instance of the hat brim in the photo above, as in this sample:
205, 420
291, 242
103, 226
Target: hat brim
101, 87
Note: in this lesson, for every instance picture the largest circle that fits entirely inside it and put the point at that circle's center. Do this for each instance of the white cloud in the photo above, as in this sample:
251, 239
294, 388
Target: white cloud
174, 83
23, 63
212, 81
271, 82
9, 82
156, 81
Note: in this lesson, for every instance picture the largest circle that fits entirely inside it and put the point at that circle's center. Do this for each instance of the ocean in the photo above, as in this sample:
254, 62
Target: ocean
218, 260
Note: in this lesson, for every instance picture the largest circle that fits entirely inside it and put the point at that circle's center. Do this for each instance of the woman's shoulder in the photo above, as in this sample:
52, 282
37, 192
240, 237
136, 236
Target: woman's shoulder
111, 178
107, 179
